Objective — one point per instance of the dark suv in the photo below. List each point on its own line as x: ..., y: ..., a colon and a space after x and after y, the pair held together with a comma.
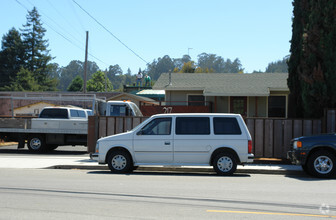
x: 316, y: 154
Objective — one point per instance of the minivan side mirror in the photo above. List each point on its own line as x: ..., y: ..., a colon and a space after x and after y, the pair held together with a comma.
x: 140, y: 133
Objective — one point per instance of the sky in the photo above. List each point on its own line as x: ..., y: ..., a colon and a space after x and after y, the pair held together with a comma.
x: 131, y: 33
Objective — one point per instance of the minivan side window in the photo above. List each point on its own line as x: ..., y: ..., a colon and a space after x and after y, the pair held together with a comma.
x: 228, y: 126
x: 158, y: 126
x: 192, y: 126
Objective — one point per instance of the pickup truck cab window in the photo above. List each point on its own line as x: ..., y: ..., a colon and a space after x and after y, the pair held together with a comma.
x: 77, y: 113
x: 54, y: 113
x: 119, y: 110
x: 159, y: 126
x: 192, y: 126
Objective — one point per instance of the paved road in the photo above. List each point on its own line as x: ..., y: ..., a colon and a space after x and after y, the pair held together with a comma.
x: 63, y: 150
x: 80, y: 194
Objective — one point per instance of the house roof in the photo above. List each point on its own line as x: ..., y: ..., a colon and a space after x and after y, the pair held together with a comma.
x: 225, y: 84
x: 131, y: 96
x: 150, y: 93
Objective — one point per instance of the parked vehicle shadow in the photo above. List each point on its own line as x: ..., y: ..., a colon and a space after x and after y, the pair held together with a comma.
x: 305, y: 177
x: 168, y: 173
x: 63, y: 150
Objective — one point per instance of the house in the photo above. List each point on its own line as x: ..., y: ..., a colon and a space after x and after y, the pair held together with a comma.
x: 133, y: 98
x: 31, y: 109
x: 251, y: 95
x: 157, y: 95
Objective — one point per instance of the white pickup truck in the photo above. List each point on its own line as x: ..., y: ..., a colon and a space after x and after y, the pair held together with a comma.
x: 57, y: 126
x: 54, y: 127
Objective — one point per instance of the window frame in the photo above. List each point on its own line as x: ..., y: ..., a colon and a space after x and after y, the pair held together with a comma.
x: 141, y: 131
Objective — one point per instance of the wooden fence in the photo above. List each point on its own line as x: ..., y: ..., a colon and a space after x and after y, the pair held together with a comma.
x: 271, y: 137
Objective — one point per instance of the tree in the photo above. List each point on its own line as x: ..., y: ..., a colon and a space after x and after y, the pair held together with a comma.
x: 99, y: 83
x: 279, y: 66
x: 24, y: 81
x: 218, y: 64
x: 37, y: 54
x: 114, y: 70
x: 179, y: 62
x: 11, y: 57
x: 188, y: 67
x: 311, y: 67
x: 76, y: 85
x: 73, y: 69
x: 159, y: 66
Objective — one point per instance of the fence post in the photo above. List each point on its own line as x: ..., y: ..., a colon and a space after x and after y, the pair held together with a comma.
x: 92, y: 136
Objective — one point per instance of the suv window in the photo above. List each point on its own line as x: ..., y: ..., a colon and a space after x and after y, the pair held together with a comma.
x: 77, y: 113
x: 158, y: 126
x: 192, y: 125
x: 54, y: 113
x: 226, y: 126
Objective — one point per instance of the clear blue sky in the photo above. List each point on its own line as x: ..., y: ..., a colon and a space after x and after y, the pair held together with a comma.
x: 257, y: 32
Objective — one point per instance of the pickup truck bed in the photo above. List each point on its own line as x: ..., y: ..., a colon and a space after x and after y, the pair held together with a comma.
x: 44, y: 134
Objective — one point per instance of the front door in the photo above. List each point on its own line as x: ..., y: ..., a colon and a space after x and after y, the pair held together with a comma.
x: 238, y: 105
x: 154, y: 142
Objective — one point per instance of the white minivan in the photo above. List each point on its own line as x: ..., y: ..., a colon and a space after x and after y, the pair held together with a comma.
x: 218, y: 140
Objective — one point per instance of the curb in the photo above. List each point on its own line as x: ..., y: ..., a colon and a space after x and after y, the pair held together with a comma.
x: 183, y: 169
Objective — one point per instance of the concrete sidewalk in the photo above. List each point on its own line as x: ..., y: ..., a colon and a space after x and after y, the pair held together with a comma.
x: 84, y: 162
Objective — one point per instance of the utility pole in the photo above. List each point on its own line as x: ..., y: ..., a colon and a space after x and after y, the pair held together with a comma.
x: 188, y: 50
x: 85, y: 63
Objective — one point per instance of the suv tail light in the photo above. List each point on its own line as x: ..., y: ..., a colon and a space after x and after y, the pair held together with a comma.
x: 250, y: 146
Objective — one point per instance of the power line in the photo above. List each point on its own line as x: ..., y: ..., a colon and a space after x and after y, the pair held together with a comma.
x: 110, y: 32
x: 57, y: 32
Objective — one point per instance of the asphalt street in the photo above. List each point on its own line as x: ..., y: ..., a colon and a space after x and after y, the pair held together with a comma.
x: 87, y: 194
x: 75, y: 187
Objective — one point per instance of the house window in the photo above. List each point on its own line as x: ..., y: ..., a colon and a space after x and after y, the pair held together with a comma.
x: 277, y: 106
x: 196, y: 100
x: 239, y: 105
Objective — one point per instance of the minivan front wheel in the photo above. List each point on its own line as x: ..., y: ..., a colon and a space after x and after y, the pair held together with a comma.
x: 224, y: 164
x: 120, y: 162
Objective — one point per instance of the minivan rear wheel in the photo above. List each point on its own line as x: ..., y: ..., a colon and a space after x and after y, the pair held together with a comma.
x: 120, y: 162
x: 224, y: 164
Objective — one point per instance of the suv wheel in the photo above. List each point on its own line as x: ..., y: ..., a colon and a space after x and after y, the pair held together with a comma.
x: 322, y: 164
x: 224, y: 164
x: 120, y: 162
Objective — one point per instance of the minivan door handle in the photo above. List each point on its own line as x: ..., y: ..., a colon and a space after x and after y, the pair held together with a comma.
x: 167, y: 143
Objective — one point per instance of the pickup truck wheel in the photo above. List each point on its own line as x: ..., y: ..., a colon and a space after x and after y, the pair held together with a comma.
x: 224, y: 164
x: 120, y: 162
x: 36, y: 144
x: 322, y: 164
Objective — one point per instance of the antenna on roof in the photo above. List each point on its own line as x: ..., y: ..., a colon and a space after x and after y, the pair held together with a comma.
x: 170, y: 81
